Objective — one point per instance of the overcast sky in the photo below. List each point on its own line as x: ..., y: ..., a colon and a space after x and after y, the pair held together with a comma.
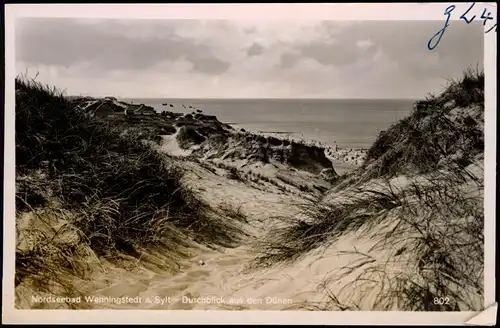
x: 245, y: 59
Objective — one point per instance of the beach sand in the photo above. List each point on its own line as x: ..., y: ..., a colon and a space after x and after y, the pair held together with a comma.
x: 220, y: 277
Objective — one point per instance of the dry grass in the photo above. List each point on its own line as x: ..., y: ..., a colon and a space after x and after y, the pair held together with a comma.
x: 234, y: 174
x: 123, y: 194
x: 442, y: 130
x: 432, y: 227
x: 233, y: 212
x: 188, y: 136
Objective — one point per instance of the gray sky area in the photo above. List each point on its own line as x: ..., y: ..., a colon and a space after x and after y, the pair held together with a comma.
x: 245, y: 59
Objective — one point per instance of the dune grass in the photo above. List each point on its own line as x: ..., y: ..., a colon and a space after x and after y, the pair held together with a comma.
x: 447, y: 127
x: 124, y: 196
x: 430, y: 228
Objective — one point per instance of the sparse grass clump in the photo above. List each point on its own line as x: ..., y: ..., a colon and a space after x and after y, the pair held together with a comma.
x: 188, y: 136
x: 233, y: 212
x: 234, y: 174
x: 122, y: 193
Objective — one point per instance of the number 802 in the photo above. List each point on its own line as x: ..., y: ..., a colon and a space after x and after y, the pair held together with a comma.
x: 441, y: 300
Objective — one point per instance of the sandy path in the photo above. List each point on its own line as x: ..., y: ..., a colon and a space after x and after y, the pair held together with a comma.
x: 216, y: 279
x: 221, y: 282
x: 220, y: 276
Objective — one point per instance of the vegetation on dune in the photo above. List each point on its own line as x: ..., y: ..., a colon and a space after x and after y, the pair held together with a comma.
x: 431, y: 227
x: 115, y: 194
x: 188, y: 135
x: 444, y: 130
x: 122, y: 194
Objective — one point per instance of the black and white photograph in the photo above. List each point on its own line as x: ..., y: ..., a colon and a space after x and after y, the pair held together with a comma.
x: 245, y: 164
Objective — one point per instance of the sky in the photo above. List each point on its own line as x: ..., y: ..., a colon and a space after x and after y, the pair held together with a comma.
x: 142, y: 58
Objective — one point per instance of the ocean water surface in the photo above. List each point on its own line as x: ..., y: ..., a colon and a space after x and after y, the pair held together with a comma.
x: 353, y: 123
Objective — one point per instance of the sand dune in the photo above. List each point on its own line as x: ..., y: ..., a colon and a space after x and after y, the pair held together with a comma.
x: 262, y: 222
x: 222, y: 280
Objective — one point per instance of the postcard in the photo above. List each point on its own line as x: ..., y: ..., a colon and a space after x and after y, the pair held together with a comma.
x: 250, y: 163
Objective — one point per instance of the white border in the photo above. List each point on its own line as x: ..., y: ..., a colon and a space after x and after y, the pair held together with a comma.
x: 408, y: 11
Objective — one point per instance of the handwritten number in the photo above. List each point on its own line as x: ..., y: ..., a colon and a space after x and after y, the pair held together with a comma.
x: 494, y: 26
x: 436, y: 38
x: 440, y: 33
x: 465, y: 13
x: 485, y: 17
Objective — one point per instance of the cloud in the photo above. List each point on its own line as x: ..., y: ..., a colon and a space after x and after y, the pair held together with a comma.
x: 289, y: 59
x: 224, y: 58
x: 255, y: 50
x: 109, y: 46
x: 364, y: 44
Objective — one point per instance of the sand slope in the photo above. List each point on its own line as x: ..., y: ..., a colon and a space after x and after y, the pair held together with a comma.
x: 221, y: 277
x: 325, y: 278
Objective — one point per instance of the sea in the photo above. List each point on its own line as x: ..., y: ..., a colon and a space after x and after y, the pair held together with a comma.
x: 348, y: 123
